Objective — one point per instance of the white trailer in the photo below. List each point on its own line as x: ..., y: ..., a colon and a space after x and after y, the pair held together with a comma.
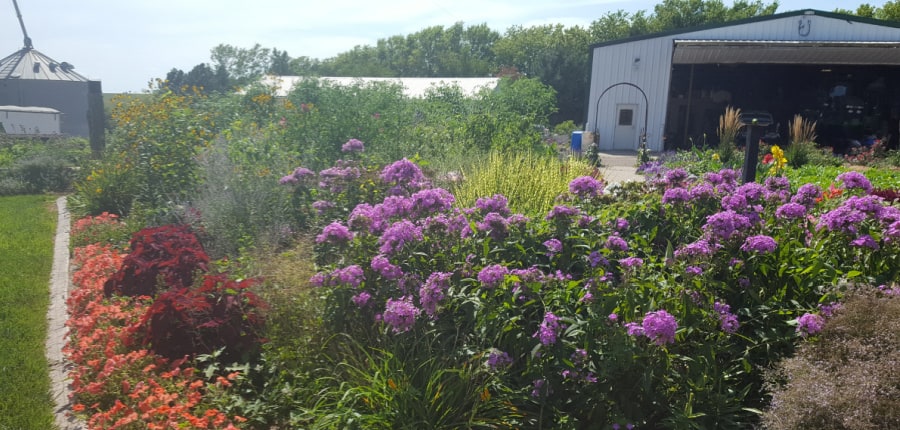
x: 29, y: 121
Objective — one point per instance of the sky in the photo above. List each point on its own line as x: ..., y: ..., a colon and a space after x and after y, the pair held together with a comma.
x: 126, y: 44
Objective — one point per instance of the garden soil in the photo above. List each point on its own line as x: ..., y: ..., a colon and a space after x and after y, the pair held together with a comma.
x: 56, y: 323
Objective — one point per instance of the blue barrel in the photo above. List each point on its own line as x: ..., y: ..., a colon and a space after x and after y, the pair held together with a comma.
x: 576, y: 141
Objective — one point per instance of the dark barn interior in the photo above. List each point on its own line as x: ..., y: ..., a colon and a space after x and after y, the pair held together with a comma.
x: 851, y: 104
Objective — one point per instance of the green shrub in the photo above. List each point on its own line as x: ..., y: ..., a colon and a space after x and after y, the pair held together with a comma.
x: 565, y: 128
x: 11, y: 186
x: 43, y: 173
x: 530, y: 181
x: 848, y: 377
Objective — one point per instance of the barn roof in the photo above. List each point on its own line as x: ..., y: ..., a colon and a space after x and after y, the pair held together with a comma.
x: 835, y: 15
x: 29, y: 63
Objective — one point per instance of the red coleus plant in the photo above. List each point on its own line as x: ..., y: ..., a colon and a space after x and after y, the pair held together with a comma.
x: 166, y: 256
x: 220, y: 313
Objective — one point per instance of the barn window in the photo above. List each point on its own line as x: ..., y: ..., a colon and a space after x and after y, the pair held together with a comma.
x: 626, y: 116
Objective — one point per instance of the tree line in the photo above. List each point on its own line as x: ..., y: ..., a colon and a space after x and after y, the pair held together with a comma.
x: 557, y: 55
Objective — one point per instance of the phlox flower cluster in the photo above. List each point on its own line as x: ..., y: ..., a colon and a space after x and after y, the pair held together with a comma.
x: 299, y: 174
x: 807, y: 195
x: 432, y: 292
x: 492, y: 276
x: 498, y: 203
x: 549, y: 330
x: 853, y: 180
x: 498, y: 360
x: 676, y: 195
x: 790, y: 211
x: 335, y: 234
x: 404, y: 175
x: 810, y: 324
x: 400, y: 314
x: 659, y: 326
x: 585, y: 187
x: 700, y: 249
x: 353, y: 145
x: 336, y: 178
x: 431, y: 200
x: 616, y: 243
x: 631, y: 262
x: 728, y: 321
x: 397, y: 235
x: 562, y: 213
x: 554, y: 246
x: 760, y: 244
x: 725, y: 225
x: 496, y: 225
x: 383, y: 266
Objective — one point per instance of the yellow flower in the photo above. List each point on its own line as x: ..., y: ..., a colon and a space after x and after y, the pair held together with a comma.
x: 715, y: 156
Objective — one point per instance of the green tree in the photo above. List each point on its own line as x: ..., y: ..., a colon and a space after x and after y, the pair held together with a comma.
x: 243, y: 65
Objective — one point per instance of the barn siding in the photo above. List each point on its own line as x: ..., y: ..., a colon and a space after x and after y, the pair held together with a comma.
x: 614, y: 63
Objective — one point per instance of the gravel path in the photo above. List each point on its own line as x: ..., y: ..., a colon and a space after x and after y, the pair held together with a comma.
x: 56, y: 322
x: 617, y: 167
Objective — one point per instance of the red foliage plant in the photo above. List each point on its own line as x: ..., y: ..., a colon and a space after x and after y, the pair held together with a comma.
x: 168, y: 255
x: 221, y: 313
x: 889, y: 195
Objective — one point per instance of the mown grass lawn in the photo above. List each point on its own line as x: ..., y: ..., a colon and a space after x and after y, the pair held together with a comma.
x: 27, y: 225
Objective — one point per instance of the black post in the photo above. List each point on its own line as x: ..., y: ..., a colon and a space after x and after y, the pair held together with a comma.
x: 751, y: 156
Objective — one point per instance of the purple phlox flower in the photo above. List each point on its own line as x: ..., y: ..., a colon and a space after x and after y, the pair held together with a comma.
x: 810, y: 324
x: 563, y: 213
x: 892, y: 232
x: 335, y: 178
x: 395, y: 207
x: 631, y: 262
x: 353, y: 145
x: 495, y: 225
x: 364, y: 217
x: 616, y: 243
x: 518, y: 220
x: 743, y: 282
x: 729, y: 176
x: 335, y: 234
x: 498, y: 360
x: 660, y: 327
x: 702, y: 191
x: 541, y: 388
x: 432, y: 292
x: 728, y: 321
x: 350, y: 275
x: 321, y: 206
x: 865, y: 241
x: 760, y: 243
x: 790, y: 211
x: 579, y: 357
x: 397, y: 235
x: 777, y: 183
x: 361, y: 299
x: 676, y: 178
x: 828, y: 309
x: 595, y: 259
x: 676, y: 195
x: 531, y: 274
x: 693, y: 270
x: 634, y: 329
x: 585, y: 187
x: 431, y: 200
x: 402, y: 172
x: 870, y: 204
x: 699, y: 249
x: 842, y: 218
x: 383, y: 266
x: 621, y: 224
x: 320, y: 279
x: 889, y: 215
x: 854, y: 179
x: 713, y: 178
x: 613, y: 317
x: 297, y: 175
x: 736, y: 202
x: 585, y: 221
x: 554, y: 246
x: 807, y: 195
x: 498, y: 203
x: 892, y: 290
x: 400, y: 314
x: 492, y: 276
x: 588, y: 296
x: 549, y: 329
x: 725, y: 225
